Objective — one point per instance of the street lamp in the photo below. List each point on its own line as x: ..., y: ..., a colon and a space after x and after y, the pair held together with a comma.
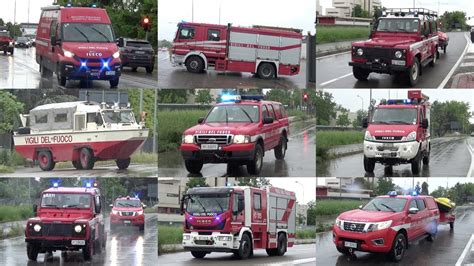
x: 362, y: 99
x: 302, y: 188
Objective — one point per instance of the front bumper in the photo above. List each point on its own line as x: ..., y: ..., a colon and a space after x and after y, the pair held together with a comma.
x: 402, y: 151
x: 380, y: 67
x: 215, y: 242
x: 177, y: 60
x: 91, y: 71
x: 141, y: 60
x: 225, y: 153
x: 365, y: 241
x: 127, y: 220
x: 58, y: 244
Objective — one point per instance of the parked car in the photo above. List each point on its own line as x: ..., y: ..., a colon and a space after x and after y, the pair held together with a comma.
x: 23, y: 42
x: 136, y: 53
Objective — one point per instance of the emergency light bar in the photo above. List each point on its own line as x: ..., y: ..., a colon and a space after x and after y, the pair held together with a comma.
x: 253, y: 97
x: 392, y: 193
x: 415, y: 12
x: 230, y: 98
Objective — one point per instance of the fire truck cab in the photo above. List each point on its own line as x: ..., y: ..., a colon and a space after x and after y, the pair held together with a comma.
x: 238, y: 220
x: 237, y: 131
x: 127, y: 211
x: 402, y: 42
x: 266, y: 51
x: 398, y: 133
x: 67, y: 219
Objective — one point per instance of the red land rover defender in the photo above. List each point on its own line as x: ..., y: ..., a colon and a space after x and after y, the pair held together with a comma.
x: 77, y: 43
x: 403, y: 41
x: 67, y: 219
x: 386, y: 225
x: 127, y: 211
x: 237, y: 131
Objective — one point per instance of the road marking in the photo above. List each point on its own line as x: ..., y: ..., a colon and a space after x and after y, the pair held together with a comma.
x: 334, y: 80
x: 464, y: 253
x: 331, y: 55
x: 445, y: 81
x: 469, y: 64
x: 471, y: 151
x: 294, y: 262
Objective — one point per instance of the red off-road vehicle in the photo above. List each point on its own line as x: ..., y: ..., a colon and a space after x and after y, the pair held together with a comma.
x: 7, y: 43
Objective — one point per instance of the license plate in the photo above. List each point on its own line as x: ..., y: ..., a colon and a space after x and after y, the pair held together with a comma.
x: 109, y: 73
x: 209, y: 146
x: 140, y: 52
x: 350, y: 244
x: 78, y: 242
x: 127, y: 222
x: 96, y: 74
x: 398, y: 62
x: 202, y: 238
x: 388, y: 145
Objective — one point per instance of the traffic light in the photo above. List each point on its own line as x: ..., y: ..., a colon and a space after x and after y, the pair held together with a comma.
x: 146, y: 23
x: 305, y: 97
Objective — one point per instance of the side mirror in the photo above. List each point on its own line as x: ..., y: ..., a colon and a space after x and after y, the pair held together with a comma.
x: 35, y: 209
x: 144, y: 206
x: 200, y: 120
x: 111, y: 205
x: 267, y: 120
x: 97, y: 206
x: 413, y: 210
x: 365, y: 122
x: 424, y: 123
x: 119, y: 42
x: 182, y: 204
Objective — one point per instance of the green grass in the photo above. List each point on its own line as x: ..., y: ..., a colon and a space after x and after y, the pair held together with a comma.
x: 15, y: 230
x: 169, y: 235
x: 301, y: 115
x: 336, y: 206
x: 305, y: 234
x: 15, y: 213
x: 139, y: 157
x: 336, y: 34
x: 172, y: 125
x: 323, y: 227
x: 4, y: 169
x: 326, y: 140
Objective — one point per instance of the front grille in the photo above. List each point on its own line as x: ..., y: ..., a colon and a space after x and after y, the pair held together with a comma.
x: 354, y: 227
x: 382, y: 54
x: 126, y: 213
x: 203, y: 242
x: 213, y: 139
x: 57, y: 230
x: 389, y: 138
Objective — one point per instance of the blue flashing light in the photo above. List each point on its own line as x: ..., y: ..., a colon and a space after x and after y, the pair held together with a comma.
x: 106, y: 64
x: 68, y: 5
x: 94, y: 5
x: 400, y: 101
x: 252, y: 97
x: 230, y: 98
x: 392, y: 193
x: 414, y: 193
x: 88, y: 185
x: 218, y: 218
x: 83, y: 64
x: 55, y: 184
x: 136, y: 196
x: 190, y: 218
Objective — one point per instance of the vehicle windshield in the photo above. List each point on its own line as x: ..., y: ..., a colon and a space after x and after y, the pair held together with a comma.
x: 87, y: 32
x: 398, y: 25
x: 234, y: 114
x: 65, y: 200
x: 396, y: 116
x: 112, y: 116
x: 4, y: 34
x: 139, y: 44
x: 386, y: 205
x: 207, y: 204
x: 128, y: 203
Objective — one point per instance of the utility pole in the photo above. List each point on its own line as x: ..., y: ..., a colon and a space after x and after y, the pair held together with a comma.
x: 220, y: 6
x: 192, y: 11
x: 28, y: 11
x: 14, y: 14
x: 155, y: 125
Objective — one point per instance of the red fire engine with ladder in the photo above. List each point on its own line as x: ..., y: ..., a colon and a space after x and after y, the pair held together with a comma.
x: 266, y: 51
x: 238, y: 219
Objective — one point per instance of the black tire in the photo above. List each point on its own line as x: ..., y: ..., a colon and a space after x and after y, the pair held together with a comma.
x: 271, y: 251
x: 414, y: 72
x: 114, y: 83
x: 45, y: 160
x: 77, y: 165
x: 416, y: 164
x: 245, y: 248
x: 444, y: 49
x: 4, y: 52
x: 266, y: 71
x: 281, y: 245
x: 451, y: 225
x: 88, y: 250
x: 254, y: 166
x: 12, y: 51
x: 399, y: 247
x: 280, y: 150
x: 369, y: 164
x: 123, y: 163
x: 194, y: 64
x: 134, y: 69
x: 360, y: 74
x: 193, y: 166
x: 198, y: 254
x: 86, y: 158
x: 435, y: 59
x: 232, y: 168
x: 149, y: 70
x: 61, y: 79
x: 344, y: 251
x: 426, y: 159
x: 32, y: 251
x: 141, y: 228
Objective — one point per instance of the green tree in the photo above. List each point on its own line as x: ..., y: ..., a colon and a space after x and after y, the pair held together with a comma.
x: 283, y: 96
x: 174, y: 95
x: 326, y: 107
x: 443, y: 114
x: 384, y: 185
x: 204, y: 97
x: 357, y: 11
x: 361, y: 114
x: 424, y: 189
x: 196, y: 182
x: 439, y: 192
x: 148, y: 106
x: 10, y: 109
x: 311, y: 213
x: 253, y: 182
x: 343, y: 119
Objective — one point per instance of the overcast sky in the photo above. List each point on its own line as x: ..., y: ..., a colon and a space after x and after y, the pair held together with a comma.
x: 283, y: 13
x: 289, y: 183
x: 445, y: 5
x: 8, y: 8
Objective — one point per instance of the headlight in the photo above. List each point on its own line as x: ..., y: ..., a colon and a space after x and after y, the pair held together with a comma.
x: 224, y: 238
x: 37, y: 227
x: 379, y: 226
x: 78, y: 229
x: 239, y: 139
x: 116, y: 54
x: 410, y: 137
x: 139, y: 212
x: 68, y: 54
x: 188, y: 139
x: 114, y: 212
x: 360, y: 52
x: 186, y: 237
x: 11, y: 43
x: 368, y: 136
x: 398, y: 54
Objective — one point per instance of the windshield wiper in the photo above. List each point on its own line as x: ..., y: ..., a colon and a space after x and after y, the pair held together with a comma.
x: 226, y: 116
x: 103, y: 35
x: 220, y: 206
x: 50, y: 205
x: 251, y: 121
x: 399, y: 122
x: 378, y: 209
x: 71, y: 206
x: 82, y: 33
x: 388, y: 207
x: 380, y: 122
x: 200, y: 203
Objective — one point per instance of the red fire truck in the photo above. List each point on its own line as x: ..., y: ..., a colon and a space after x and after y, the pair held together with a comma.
x: 266, y: 51
x: 68, y: 219
x: 398, y: 132
x: 238, y: 220
x: 7, y: 43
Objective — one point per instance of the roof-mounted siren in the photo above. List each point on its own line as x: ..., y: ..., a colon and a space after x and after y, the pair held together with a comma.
x: 416, y: 95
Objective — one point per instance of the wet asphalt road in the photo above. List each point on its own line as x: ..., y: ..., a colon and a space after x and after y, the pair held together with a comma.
x: 170, y: 77
x: 21, y: 71
x: 450, y: 157
x: 126, y: 246
x: 296, y: 255
x: 444, y: 250
x: 335, y: 72
x: 299, y: 160
x: 134, y: 170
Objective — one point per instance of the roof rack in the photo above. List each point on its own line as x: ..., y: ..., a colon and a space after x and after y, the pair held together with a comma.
x: 410, y: 12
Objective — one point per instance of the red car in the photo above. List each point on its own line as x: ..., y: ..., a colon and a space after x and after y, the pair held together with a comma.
x: 237, y: 131
x: 127, y: 211
x: 387, y: 224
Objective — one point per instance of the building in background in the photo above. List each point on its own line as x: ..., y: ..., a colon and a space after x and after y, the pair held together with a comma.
x: 319, y: 8
x: 342, y: 188
x: 29, y: 30
x: 302, y: 211
x: 343, y: 8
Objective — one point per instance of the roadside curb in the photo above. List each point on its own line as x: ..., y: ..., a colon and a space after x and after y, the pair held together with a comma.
x: 326, y: 49
x: 345, y: 150
x: 6, y: 228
